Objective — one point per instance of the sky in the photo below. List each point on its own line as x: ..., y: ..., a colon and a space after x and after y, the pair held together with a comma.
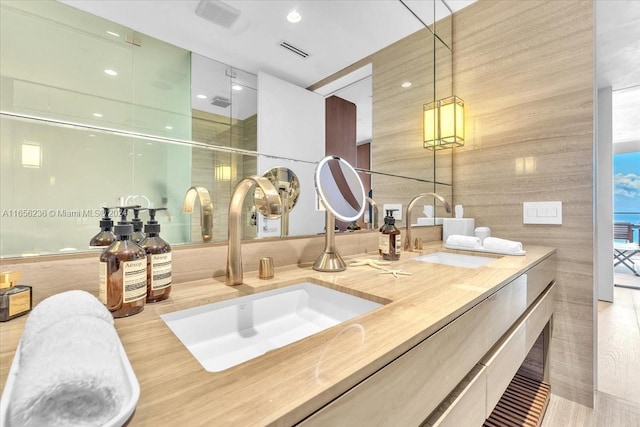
x: 626, y: 182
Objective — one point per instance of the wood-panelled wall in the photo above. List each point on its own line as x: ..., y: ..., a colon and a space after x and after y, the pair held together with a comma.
x: 340, y: 129
x: 221, y: 130
x: 525, y: 71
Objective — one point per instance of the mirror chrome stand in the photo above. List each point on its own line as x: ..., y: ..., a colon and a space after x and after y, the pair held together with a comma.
x: 330, y: 260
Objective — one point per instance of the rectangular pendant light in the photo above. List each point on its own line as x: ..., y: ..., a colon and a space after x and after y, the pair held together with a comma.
x: 443, y: 123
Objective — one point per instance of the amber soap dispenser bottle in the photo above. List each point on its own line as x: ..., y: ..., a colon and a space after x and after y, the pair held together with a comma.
x: 15, y: 300
x: 105, y: 237
x: 123, y: 272
x: 138, y: 235
x: 158, y: 260
x: 389, y: 242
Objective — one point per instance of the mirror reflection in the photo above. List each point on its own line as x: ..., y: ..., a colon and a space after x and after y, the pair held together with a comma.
x: 169, y: 120
x: 286, y: 182
x: 339, y: 188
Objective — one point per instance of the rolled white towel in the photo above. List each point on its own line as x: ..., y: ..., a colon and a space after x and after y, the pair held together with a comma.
x: 502, y: 245
x: 72, y: 375
x: 59, y: 307
x: 461, y: 241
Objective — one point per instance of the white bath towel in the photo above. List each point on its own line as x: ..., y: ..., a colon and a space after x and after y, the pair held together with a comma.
x: 59, y: 307
x: 460, y: 241
x: 502, y: 245
x: 71, y: 374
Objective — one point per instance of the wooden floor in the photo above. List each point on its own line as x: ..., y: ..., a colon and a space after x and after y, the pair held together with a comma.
x: 618, y: 396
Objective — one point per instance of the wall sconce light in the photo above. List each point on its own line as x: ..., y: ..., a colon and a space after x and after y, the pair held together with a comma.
x: 443, y: 123
x: 223, y: 172
x: 31, y: 155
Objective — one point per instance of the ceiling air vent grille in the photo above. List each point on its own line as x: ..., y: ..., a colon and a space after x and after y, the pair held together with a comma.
x: 218, y: 12
x: 221, y: 101
x: 292, y: 48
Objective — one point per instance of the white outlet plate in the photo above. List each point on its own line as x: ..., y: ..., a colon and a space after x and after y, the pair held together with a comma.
x: 397, y: 214
x: 542, y: 212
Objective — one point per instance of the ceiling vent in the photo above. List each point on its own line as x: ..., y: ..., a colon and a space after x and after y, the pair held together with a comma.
x: 217, y: 12
x: 292, y: 48
x: 220, y: 101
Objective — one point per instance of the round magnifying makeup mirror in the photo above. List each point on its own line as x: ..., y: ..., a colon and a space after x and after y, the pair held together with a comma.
x: 340, y: 188
x: 341, y: 192
x: 287, y: 184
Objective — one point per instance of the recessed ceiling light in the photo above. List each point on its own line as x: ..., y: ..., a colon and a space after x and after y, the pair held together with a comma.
x: 111, y: 33
x: 111, y: 72
x: 168, y: 127
x: 406, y: 84
x: 201, y: 96
x: 294, y: 17
x: 97, y: 115
x: 236, y: 87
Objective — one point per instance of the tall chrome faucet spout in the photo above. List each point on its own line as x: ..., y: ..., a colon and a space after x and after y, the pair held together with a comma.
x: 407, y: 216
x: 376, y: 214
x: 206, y: 209
x: 267, y: 202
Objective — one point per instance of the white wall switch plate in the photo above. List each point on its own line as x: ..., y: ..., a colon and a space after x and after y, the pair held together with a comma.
x: 542, y: 212
x: 397, y: 214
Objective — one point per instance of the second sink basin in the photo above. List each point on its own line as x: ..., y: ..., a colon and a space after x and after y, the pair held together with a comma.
x: 457, y: 260
x: 227, y: 333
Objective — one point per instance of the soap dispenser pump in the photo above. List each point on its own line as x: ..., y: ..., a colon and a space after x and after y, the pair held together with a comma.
x: 105, y: 237
x: 123, y: 272
x: 390, y: 241
x: 158, y: 260
x: 138, y: 234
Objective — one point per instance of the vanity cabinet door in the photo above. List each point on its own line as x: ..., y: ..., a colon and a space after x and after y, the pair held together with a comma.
x: 407, y: 390
x: 465, y: 406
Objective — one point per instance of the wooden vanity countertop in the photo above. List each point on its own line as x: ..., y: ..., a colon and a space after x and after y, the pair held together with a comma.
x: 285, y: 385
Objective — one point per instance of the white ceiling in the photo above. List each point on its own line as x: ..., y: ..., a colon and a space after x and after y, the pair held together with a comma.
x: 335, y: 33
x: 338, y: 33
x: 618, y: 66
x: 618, y: 43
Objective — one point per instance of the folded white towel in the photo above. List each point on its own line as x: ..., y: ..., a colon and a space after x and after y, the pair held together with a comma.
x: 461, y: 241
x: 502, y: 245
x: 59, y: 307
x: 70, y: 375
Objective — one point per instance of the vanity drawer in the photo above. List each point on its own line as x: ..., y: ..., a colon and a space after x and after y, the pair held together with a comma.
x: 505, y: 359
x: 539, y: 277
x: 409, y: 389
x: 465, y: 406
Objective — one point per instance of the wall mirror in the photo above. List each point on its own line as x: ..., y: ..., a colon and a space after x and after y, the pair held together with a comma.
x: 76, y: 137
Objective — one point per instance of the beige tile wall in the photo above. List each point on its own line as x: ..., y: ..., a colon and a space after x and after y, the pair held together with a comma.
x: 220, y: 130
x: 525, y: 71
x: 53, y: 274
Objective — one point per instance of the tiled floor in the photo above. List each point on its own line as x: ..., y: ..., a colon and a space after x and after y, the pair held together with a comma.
x: 618, y: 396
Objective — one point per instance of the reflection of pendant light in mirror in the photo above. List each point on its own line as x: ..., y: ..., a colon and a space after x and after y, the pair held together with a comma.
x: 223, y: 172
x: 31, y: 155
x: 443, y: 123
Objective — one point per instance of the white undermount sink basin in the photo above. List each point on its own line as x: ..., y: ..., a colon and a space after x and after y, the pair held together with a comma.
x: 456, y: 260
x: 227, y: 333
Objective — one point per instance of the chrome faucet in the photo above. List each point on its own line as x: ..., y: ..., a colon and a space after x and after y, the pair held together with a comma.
x: 267, y: 202
x: 374, y: 220
x: 407, y: 216
x: 206, y: 209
